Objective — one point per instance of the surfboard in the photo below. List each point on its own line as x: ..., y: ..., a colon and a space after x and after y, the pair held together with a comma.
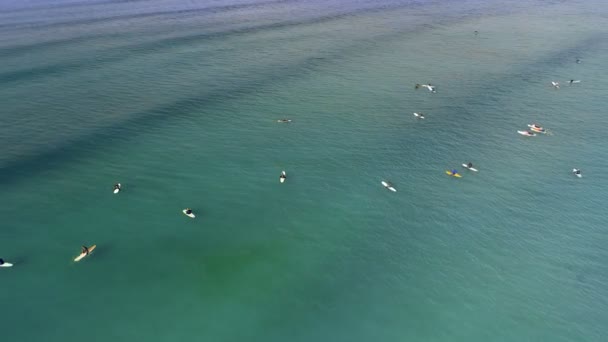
x: 457, y: 175
x: 389, y: 186
x: 117, y: 190
x: 282, y: 179
x: 526, y: 133
x: 537, y: 130
x: 419, y: 116
x: 284, y: 120
x: 82, y: 255
x: 470, y: 168
x: 6, y: 264
x: 191, y: 215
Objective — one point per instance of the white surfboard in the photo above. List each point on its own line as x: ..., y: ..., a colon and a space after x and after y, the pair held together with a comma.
x: 389, y: 186
x: 284, y: 120
x: 526, y: 133
x: 191, y: 215
x: 470, y: 168
x: 282, y: 179
x: 6, y: 264
x: 82, y: 255
x: 117, y: 190
x: 419, y: 115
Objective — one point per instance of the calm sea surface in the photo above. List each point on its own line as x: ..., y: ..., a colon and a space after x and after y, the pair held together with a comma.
x: 178, y: 101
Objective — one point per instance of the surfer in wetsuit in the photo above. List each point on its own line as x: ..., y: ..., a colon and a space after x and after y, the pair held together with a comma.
x: 188, y: 211
x: 1, y: 261
x: 116, y: 186
x: 470, y: 165
x: 85, y: 250
x: 283, y: 176
x: 577, y: 172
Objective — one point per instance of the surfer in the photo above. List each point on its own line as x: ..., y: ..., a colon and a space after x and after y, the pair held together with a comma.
x: 85, y: 250
x: 117, y: 186
x: 429, y: 86
x: 188, y: 211
x: 283, y: 176
x: 1, y: 261
x: 470, y: 165
x: 537, y: 129
x: 578, y: 61
x: 577, y: 171
x: 454, y: 172
x: 284, y: 120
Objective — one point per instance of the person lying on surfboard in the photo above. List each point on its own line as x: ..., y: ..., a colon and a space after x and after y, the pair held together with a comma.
x: 116, y: 186
x: 282, y: 176
x: 85, y: 250
x: 188, y: 211
x: 470, y: 165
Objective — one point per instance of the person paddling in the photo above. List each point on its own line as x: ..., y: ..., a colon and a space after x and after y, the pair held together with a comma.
x: 85, y: 250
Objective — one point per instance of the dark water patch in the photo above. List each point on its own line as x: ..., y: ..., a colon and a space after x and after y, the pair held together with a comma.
x: 40, y: 47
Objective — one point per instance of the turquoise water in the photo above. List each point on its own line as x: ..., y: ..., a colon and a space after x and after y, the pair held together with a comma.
x: 178, y: 101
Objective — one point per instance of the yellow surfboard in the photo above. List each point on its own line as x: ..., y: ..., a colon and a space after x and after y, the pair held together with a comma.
x: 448, y: 172
x: 82, y: 255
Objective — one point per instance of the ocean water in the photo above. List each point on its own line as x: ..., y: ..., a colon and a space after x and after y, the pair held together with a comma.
x: 178, y: 101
